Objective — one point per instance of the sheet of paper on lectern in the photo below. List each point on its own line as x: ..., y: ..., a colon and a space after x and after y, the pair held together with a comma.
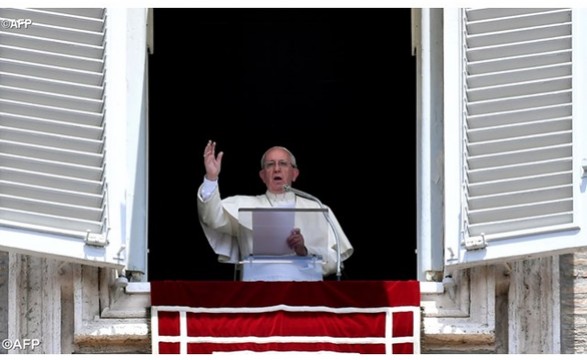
x: 270, y: 232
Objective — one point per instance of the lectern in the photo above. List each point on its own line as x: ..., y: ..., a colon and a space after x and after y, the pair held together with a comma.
x: 265, y: 255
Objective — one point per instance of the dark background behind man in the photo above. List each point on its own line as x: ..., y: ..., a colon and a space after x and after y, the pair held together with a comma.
x: 335, y: 86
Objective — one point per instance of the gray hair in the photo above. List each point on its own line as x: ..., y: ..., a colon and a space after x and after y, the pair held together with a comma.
x: 291, y: 156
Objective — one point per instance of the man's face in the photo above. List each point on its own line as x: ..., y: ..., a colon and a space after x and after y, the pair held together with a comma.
x: 277, y: 170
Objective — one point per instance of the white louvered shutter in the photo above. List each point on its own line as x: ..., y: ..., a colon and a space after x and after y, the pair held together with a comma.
x: 520, y: 183
x: 52, y: 132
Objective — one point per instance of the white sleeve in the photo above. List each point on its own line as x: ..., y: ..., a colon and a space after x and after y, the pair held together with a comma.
x: 207, y: 189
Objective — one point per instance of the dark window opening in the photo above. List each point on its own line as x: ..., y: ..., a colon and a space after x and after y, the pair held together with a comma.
x: 335, y: 86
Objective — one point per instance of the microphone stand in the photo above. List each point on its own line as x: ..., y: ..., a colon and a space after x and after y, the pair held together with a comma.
x: 328, y: 220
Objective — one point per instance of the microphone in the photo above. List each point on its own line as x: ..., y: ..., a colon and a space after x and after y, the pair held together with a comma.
x: 302, y: 194
x: 328, y: 220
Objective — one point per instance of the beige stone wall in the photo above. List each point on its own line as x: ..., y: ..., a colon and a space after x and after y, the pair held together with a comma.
x: 3, y: 298
x: 573, y: 270
x: 534, y: 307
x: 69, y: 310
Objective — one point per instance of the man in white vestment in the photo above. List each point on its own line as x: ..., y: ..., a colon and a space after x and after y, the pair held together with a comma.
x: 220, y: 217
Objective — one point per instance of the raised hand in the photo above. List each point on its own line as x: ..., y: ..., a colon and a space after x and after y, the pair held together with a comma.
x: 212, y: 162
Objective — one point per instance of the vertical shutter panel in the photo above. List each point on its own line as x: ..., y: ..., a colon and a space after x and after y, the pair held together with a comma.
x: 518, y: 120
x: 52, y: 120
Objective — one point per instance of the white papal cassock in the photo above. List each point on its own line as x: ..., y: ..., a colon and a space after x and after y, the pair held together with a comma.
x: 220, y: 221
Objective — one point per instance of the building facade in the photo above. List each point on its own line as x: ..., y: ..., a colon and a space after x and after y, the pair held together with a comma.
x: 501, y: 180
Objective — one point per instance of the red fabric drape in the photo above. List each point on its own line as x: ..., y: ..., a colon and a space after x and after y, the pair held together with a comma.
x: 284, y: 316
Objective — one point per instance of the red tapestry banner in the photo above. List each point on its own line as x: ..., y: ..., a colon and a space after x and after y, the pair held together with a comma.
x: 206, y: 317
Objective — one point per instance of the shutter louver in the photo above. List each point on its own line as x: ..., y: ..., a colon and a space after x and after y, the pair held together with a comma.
x: 518, y: 127
x: 52, y: 121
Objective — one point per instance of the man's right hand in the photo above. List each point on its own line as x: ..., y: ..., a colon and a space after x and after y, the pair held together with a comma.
x: 212, y: 162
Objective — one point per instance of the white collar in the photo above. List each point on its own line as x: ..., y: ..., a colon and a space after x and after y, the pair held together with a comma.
x: 282, y: 198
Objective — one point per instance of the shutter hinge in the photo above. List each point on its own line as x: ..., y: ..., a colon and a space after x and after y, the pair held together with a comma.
x: 476, y: 242
x: 94, y: 239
